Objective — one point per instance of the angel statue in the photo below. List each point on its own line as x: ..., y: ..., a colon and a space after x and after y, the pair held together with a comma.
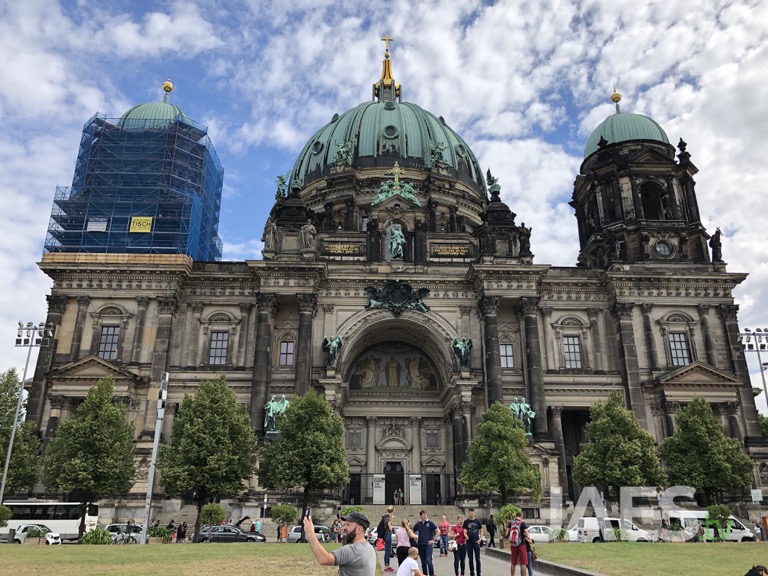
x: 331, y: 348
x: 462, y: 348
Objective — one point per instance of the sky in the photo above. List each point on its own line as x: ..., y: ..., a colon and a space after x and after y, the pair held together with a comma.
x: 524, y: 83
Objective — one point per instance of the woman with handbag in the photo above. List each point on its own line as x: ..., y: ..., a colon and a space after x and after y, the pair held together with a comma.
x: 403, y: 536
x: 460, y: 552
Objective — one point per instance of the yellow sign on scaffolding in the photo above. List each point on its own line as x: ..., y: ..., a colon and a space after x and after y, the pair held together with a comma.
x: 141, y: 224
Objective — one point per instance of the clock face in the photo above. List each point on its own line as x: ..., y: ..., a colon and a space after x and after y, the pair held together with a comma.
x: 663, y: 248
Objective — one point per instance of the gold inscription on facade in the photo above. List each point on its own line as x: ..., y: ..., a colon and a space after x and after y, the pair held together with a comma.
x: 343, y: 249
x: 451, y: 251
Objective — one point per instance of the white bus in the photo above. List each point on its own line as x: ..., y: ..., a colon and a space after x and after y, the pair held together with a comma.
x: 61, y: 517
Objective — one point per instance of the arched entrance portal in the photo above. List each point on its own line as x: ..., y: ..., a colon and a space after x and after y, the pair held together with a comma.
x: 394, y: 479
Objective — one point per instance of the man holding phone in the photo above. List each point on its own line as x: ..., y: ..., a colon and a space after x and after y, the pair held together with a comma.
x: 356, y: 557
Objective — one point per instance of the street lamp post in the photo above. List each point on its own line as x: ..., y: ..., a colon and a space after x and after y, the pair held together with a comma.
x: 757, y: 341
x: 27, y: 336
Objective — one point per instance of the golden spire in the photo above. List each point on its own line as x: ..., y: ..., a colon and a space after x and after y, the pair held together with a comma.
x: 616, y: 98
x: 387, y: 82
x: 167, y: 88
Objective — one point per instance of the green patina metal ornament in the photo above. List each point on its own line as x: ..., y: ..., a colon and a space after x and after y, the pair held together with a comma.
x: 397, y: 297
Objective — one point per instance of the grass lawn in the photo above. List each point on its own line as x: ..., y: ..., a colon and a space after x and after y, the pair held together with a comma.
x: 182, y: 559
x: 643, y: 559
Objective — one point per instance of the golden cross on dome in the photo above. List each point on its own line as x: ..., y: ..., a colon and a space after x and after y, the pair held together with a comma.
x: 397, y: 171
x: 386, y: 41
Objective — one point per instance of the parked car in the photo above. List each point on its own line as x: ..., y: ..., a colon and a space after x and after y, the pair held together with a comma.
x: 22, y: 531
x: 689, y: 521
x: 118, y: 528
x: 229, y: 533
x: 541, y: 534
x: 573, y: 533
x: 323, y: 534
x: 589, y: 530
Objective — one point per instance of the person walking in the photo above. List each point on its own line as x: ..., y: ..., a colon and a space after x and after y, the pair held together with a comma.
x: 356, y: 557
x: 427, y: 534
x: 491, y: 526
x: 473, y: 528
x: 518, y: 533
x: 460, y: 553
x: 444, y: 526
x: 181, y: 533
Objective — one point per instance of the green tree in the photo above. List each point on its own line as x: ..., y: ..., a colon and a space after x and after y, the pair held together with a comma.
x: 763, y: 425
x: 211, y: 450
x: 91, y: 456
x: 699, y: 454
x: 497, y: 458
x: 309, y: 453
x: 284, y: 513
x: 618, y: 451
x: 24, y: 467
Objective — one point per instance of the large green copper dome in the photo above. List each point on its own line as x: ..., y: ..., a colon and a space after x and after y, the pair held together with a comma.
x: 622, y: 127
x: 381, y: 133
x: 153, y: 114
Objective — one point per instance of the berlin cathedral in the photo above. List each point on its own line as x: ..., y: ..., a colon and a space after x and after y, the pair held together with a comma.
x: 397, y: 283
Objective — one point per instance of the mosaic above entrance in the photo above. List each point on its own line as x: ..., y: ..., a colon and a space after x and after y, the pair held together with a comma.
x: 393, y: 367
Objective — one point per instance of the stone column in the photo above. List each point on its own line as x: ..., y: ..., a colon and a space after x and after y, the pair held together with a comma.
x: 706, y: 331
x: 490, y: 306
x: 415, y: 423
x: 77, y: 335
x: 557, y: 433
x: 370, y: 464
x: 452, y: 218
x: 466, y: 425
x: 194, y: 335
x: 629, y: 366
x: 242, y: 346
x: 307, y: 307
x: 349, y: 219
x: 57, y: 403
x: 637, y: 203
x: 549, y: 339
x: 669, y: 416
x: 535, y: 378
x: 57, y: 305
x: 262, y: 363
x: 729, y: 315
x: 167, y: 307
x: 730, y: 411
x: 458, y: 439
x: 650, y: 340
x: 597, y: 339
x: 138, y: 335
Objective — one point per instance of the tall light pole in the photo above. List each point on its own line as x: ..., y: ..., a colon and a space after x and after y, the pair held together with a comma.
x: 27, y: 336
x: 757, y: 341
x: 161, y: 399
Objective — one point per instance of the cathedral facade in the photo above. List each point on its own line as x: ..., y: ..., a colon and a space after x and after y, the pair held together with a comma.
x: 396, y: 282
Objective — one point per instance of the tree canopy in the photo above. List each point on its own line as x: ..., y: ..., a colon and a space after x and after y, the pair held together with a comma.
x: 699, y: 454
x: 618, y: 452
x: 24, y: 468
x: 211, y: 450
x: 91, y: 456
x: 309, y: 452
x: 497, y: 458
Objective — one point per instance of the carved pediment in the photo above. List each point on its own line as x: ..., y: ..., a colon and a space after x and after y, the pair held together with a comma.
x: 76, y: 378
x: 356, y: 462
x: 432, y: 464
x: 390, y: 443
x: 697, y: 374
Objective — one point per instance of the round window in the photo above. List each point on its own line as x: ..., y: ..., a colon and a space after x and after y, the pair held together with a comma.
x: 317, y: 147
x: 663, y: 248
x: 389, y: 105
x: 390, y: 131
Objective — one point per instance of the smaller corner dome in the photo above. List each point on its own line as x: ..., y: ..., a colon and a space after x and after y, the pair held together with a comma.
x: 623, y: 127
x: 152, y: 115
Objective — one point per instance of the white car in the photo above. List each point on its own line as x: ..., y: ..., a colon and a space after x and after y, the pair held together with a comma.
x: 541, y: 534
x: 22, y: 531
x: 573, y: 533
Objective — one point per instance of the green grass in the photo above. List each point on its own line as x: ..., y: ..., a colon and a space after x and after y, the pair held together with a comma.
x: 186, y: 559
x: 642, y: 559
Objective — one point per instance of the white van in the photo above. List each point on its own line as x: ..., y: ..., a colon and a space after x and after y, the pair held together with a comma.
x: 690, y: 520
x: 589, y: 530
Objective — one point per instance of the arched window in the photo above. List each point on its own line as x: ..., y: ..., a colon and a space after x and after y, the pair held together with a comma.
x: 677, y: 330
x: 652, y: 202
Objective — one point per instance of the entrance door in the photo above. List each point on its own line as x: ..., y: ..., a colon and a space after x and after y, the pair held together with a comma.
x: 433, y: 489
x: 353, y: 491
x: 394, y: 479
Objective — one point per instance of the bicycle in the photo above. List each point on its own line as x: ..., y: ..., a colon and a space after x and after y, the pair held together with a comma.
x: 124, y: 538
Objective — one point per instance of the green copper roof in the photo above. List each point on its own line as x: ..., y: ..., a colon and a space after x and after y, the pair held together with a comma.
x: 621, y: 127
x: 381, y: 133
x: 151, y: 115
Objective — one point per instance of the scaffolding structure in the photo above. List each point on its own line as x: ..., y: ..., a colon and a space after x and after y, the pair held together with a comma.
x: 141, y: 187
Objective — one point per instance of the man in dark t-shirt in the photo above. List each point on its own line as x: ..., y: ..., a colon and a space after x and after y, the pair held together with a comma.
x: 473, y: 530
x: 427, y: 532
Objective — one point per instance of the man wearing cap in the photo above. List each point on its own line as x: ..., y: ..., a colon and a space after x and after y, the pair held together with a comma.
x: 356, y: 557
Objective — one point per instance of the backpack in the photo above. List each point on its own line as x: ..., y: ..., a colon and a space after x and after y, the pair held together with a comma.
x: 515, y: 537
x: 381, y: 529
